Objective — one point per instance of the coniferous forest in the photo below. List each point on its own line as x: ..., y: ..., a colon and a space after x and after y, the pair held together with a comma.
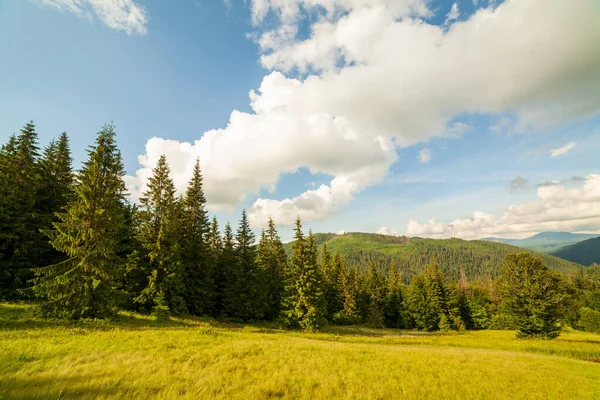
x: 71, y: 241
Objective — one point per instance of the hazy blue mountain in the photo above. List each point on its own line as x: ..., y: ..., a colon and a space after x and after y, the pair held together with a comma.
x: 546, y: 242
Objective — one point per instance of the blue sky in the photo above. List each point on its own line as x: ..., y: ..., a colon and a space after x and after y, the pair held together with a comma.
x: 402, y: 117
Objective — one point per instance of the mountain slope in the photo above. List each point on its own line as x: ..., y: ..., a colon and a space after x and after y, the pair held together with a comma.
x: 546, y: 242
x: 480, y: 259
x: 585, y: 253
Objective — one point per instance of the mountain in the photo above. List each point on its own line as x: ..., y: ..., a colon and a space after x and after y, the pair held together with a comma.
x: 546, y: 242
x: 480, y: 259
x: 585, y: 253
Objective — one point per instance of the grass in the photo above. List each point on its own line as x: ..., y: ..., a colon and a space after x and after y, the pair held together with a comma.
x: 136, y: 357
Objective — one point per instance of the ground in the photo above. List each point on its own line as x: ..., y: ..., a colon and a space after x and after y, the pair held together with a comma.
x: 137, y: 357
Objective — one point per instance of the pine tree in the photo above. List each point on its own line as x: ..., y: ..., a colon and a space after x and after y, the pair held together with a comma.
x: 272, y: 260
x: 249, y: 303
x: 56, y: 188
x: 22, y: 241
x: 393, y: 305
x: 160, y: 235
x: 303, y: 304
x: 230, y: 271
x: 332, y: 282
x: 198, y: 267
x: 215, y: 254
x: 89, y: 233
x: 350, y: 314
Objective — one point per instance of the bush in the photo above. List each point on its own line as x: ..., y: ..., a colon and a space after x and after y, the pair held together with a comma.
x: 589, y: 320
x: 341, y: 318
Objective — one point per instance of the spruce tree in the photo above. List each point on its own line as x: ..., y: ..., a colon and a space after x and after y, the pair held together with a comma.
x: 393, y: 305
x: 332, y: 282
x: 350, y: 313
x: 303, y: 304
x: 160, y: 235
x: 230, y: 271
x: 89, y: 233
x: 535, y: 296
x: 22, y: 241
x: 198, y: 266
x: 249, y: 303
x: 215, y: 254
x: 272, y: 260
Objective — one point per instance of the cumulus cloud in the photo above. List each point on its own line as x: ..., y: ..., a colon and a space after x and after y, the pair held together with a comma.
x: 563, y: 150
x: 556, y: 209
x: 124, y: 15
x: 425, y: 156
x: 384, y: 230
x: 381, y: 78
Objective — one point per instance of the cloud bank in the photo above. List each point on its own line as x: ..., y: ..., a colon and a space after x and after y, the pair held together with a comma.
x: 374, y: 76
x: 556, y: 209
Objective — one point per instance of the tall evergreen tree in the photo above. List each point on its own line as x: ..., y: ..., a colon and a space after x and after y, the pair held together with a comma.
x: 160, y: 236
x: 303, y: 303
x: 198, y: 267
x: 230, y: 271
x: 331, y: 268
x: 22, y: 241
x: 248, y: 303
x: 272, y: 260
x: 89, y: 233
x: 215, y: 254
x: 393, y: 305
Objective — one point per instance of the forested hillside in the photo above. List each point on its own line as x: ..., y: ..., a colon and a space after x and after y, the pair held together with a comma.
x: 479, y: 259
x: 585, y: 253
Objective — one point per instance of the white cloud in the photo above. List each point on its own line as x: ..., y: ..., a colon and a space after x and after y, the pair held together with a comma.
x: 124, y: 15
x: 556, y: 209
x: 425, y: 156
x: 382, y: 77
x: 563, y: 150
x: 453, y: 14
x: 384, y: 230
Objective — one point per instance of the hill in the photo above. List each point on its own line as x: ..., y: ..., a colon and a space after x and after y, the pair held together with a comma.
x: 585, y: 253
x: 480, y: 259
x: 545, y: 242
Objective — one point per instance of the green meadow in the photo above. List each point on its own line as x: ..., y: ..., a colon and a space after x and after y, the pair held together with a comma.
x: 135, y: 356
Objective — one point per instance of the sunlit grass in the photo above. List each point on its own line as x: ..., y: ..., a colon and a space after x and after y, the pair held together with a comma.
x: 137, y: 357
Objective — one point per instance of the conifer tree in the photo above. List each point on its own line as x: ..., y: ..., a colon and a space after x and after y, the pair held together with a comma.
x: 248, y: 302
x: 230, y: 270
x: 215, y: 255
x: 22, y: 241
x: 350, y: 313
x: 303, y: 304
x: 332, y: 282
x: 160, y: 236
x: 393, y: 305
x: 198, y: 266
x: 272, y: 260
x: 89, y: 233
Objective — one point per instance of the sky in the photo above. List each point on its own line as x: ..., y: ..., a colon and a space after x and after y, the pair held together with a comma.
x: 467, y: 118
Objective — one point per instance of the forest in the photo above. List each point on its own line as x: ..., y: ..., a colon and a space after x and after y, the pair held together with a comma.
x: 72, y: 242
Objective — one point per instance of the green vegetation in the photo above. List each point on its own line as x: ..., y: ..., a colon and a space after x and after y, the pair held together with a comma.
x: 479, y: 259
x: 137, y: 357
x: 586, y: 252
x: 546, y: 242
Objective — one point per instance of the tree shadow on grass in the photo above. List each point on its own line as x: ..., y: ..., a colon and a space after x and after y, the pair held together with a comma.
x: 69, y: 387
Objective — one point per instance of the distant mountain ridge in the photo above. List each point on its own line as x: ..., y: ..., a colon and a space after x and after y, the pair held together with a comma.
x: 479, y: 259
x: 586, y: 252
x: 546, y: 242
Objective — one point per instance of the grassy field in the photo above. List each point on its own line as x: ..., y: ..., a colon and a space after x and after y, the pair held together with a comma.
x: 136, y: 357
